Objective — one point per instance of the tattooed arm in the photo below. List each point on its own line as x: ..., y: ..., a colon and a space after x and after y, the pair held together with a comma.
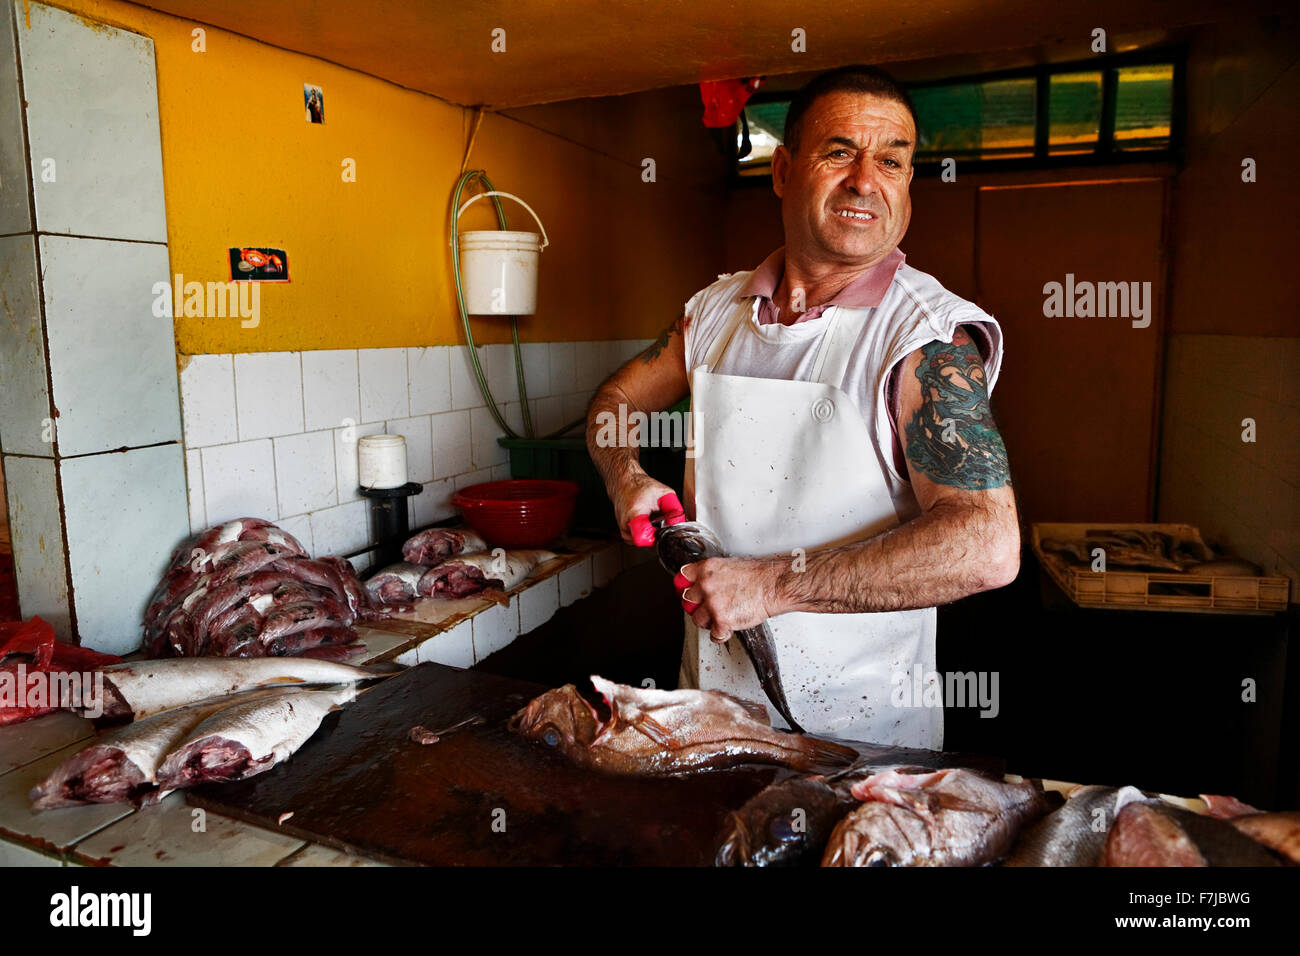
x: 650, y: 382
x: 966, y: 540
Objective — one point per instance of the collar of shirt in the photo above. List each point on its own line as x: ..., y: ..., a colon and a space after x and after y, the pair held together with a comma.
x: 866, y: 291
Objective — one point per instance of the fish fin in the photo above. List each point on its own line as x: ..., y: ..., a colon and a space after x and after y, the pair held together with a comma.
x: 827, y: 754
x: 755, y: 710
x: 282, y: 680
x: 655, y: 731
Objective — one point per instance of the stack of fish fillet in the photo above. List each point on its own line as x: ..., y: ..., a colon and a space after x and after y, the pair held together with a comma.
x: 451, y: 563
x: 248, y: 589
x: 197, y: 721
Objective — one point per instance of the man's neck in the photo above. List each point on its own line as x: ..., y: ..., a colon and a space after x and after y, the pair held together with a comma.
x: 818, y: 282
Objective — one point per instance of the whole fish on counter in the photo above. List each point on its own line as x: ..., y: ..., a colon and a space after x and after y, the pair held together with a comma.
x: 469, y: 574
x: 122, y: 765
x: 660, y: 732
x: 1075, y: 834
x: 247, y: 738
x: 433, y: 545
x: 1280, y: 832
x: 1156, y: 834
x: 141, y: 688
x: 950, y: 817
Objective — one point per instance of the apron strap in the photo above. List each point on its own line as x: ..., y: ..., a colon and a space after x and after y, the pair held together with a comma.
x: 837, y: 345
x: 738, y: 316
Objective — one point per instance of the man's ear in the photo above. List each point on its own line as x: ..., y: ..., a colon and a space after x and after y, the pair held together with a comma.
x: 780, y: 169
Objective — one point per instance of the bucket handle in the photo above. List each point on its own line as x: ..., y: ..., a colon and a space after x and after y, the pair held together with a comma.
x: 496, y: 192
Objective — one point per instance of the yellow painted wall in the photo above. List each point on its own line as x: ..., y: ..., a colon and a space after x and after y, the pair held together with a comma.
x: 369, y: 261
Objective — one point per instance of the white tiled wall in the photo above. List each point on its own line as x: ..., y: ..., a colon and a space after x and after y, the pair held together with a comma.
x: 273, y: 435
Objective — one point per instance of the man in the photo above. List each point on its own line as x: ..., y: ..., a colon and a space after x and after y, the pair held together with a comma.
x: 845, y: 453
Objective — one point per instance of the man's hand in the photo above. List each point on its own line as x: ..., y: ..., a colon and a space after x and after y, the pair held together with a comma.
x: 637, y: 494
x: 730, y: 594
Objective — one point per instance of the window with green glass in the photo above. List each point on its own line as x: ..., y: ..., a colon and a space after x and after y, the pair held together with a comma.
x: 1098, y: 112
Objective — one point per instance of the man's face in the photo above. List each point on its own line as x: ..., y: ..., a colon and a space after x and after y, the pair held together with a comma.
x: 844, y: 194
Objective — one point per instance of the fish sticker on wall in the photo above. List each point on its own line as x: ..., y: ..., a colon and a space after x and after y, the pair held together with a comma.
x: 313, y: 97
x: 259, y: 264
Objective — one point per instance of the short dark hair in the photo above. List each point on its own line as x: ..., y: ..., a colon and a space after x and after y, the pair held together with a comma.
x: 845, y: 79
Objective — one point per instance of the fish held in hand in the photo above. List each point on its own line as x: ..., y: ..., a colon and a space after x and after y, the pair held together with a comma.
x: 244, y: 739
x: 141, y: 688
x: 659, y: 732
x: 681, y: 544
x: 1155, y: 834
x: 949, y: 817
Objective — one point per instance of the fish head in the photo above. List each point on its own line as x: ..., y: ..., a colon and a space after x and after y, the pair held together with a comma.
x: 560, y: 719
x: 879, y: 834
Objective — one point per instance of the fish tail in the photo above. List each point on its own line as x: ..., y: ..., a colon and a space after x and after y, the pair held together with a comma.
x: 825, y: 754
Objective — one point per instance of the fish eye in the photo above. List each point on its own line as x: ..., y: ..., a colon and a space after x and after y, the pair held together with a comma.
x: 551, y: 737
x: 782, y: 829
x: 880, y: 858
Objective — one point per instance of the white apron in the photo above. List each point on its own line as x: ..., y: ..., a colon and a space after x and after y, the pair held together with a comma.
x: 780, y: 465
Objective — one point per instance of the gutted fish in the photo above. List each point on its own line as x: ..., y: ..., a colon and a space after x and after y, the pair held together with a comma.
x: 661, y: 732
x: 395, y: 584
x: 141, y: 688
x: 949, y: 817
x: 248, y: 738
x: 1075, y: 834
x: 687, y: 542
x: 122, y: 765
x: 430, y: 547
x: 1156, y: 834
x: 468, y: 574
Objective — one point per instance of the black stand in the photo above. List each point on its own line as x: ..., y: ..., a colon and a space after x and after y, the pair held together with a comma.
x: 389, y: 522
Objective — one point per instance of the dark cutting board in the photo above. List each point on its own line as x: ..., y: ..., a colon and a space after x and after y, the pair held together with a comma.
x: 361, y: 784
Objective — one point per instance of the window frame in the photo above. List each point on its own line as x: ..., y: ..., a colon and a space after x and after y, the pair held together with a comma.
x: 1104, y: 154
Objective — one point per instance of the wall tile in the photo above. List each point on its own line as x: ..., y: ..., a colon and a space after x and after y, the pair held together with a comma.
x: 455, y: 647
x: 383, y: 384
x: 329, y: 388
x: 564, y: 368
x: 538, y: 603
x: 429, y: 376
x: 26, y: 403
x: 588, y: 357
x: 548, y: 415
x: 537, y: 369
x: 239, y: 481
x: 300, y: 527
x: 112, y: 361
x: 453, y: 451
x: 125, y: 513
x: 499, y: 367
x: 472, y: 478
x: 12, y: 854
x: 465, y: 392
x: 495, y: 628
x: 268, y: 394
x: 36, y: 534
x: 92, y: 107
x: 484, y: 432
x: 575, y: 582
x: 208, y: 400
x: 345, y: 457
x: 15, y: 208
x: 341, y: 529
x: 194, y: 486
x: 433, y: 503
x: 419, y: 446
x: 305, y: 475
x: 575, y: 406
x: 500, y: 472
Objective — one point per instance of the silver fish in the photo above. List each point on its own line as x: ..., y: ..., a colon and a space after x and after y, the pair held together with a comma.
x: 1075, y: 834
x: 245, y: 739
x: 141, y: 688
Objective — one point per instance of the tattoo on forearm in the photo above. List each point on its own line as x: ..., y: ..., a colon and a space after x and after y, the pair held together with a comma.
x: 952, y: 439
x: 652, y: 353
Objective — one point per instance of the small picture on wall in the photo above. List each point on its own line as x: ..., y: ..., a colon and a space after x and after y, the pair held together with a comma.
x: 313, y: 98
x: 257, y: 264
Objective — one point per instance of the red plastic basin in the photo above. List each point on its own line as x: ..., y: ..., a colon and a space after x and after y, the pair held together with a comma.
x: 521, y: 513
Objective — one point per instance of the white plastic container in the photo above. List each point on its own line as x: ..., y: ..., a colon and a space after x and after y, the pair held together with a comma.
x: 381, y: 461
x: 498, y: 267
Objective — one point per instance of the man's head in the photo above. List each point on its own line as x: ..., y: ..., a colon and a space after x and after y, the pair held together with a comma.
x: 844, y: 170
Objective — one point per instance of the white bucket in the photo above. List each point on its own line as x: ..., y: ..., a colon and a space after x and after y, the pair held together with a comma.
x: 498, y: 267
x: 381, y: 461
